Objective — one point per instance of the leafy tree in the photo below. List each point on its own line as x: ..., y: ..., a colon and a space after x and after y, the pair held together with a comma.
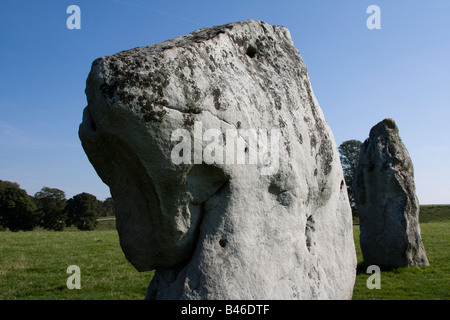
x: 108, y: 207
x: 17, y: 209
x: 82, y: 211
x: 349, y: 153
x: 51, y: 203
x: 6, y: 184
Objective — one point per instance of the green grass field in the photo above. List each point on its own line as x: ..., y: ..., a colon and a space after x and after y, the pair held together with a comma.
x: 427, y: 283
x: 33, y: 265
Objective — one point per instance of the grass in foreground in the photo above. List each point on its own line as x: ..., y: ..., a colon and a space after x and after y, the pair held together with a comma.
x: 33, y: 265
x: 426, y: 283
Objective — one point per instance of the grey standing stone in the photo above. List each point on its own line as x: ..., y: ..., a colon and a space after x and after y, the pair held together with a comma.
x: 280, y: 228
x: 385, y: 195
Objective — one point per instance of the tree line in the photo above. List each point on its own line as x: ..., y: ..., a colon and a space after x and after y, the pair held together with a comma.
x: 49, y: 209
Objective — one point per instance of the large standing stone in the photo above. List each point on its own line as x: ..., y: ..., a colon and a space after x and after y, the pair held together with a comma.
x: 386, y: 198
x: 276, y: 227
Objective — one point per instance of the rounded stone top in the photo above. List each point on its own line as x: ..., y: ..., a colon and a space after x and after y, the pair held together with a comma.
x: 384, y: 127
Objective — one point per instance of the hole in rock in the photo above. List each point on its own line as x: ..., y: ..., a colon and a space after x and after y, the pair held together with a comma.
x: 223, y: 242
x: 251, y: 51
x: 309, y: 230
x: 274, y: 189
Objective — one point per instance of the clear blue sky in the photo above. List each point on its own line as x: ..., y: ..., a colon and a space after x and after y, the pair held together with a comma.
x: 359, y: 76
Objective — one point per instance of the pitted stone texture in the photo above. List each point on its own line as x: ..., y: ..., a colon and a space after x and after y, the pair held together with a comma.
x: 388, y: 207
x: 221, y: 231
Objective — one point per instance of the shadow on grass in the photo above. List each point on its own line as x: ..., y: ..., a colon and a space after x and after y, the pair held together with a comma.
x: 361, y: 268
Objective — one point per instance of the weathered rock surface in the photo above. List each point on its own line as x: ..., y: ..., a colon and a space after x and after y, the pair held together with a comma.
x: 385, y: 195
x: 277, y: 228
